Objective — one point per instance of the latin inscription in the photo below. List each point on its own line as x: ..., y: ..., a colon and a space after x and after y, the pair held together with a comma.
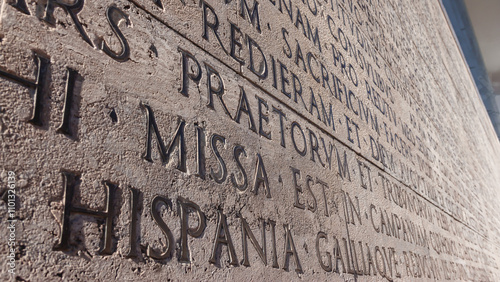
x: 330, y: 176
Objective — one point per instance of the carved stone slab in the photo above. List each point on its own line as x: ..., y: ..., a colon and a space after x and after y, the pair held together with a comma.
x: 242, y: 140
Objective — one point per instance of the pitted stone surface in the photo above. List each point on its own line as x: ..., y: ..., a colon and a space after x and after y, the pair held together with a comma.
x: 243, y: 140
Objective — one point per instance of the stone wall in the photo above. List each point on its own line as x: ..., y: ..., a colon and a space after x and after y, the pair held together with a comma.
x: 242, y: 140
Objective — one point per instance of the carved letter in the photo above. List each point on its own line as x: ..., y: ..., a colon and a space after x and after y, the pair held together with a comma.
x: 219, y: 91
x: 328, y: 266
x: 200, y: 152
x: 42, y: 66
x: 253, y: 13
x: 68, y: 102
x: 297, y: 189
x: 185, y: 205
x: 290, y: 250
x: 113, y: 14
x: 247, y: 232
x: 343, y: 168
x: 262, y: 72
x: 69, y: 182
x: 134, y: 208
x: 178, y: 141
x: 303, y: 151
x: 273, y: 242
x: 21, y: 6
x: 213, y: 26
x: 164, y: 228
x: 261, y: 177
x: 224, y: 239
x: 244, y: 107
x: 186, y: 75
x: 158, y: 3
x: 72, y: 10
x: 238, y: 150
x: 221, y: 175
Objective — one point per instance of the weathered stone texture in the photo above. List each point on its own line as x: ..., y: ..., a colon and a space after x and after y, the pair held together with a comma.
x: 244, y: 140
